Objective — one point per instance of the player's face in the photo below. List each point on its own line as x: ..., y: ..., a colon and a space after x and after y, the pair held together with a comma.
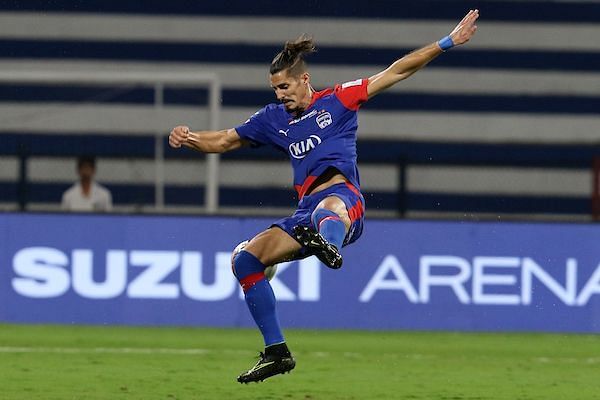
x: 292, y: 91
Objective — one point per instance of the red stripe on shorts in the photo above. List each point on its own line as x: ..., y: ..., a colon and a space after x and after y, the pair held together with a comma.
x: 356, y: 212
x: 354, y: 189
x: 358, y: 209
x: 305, y: 186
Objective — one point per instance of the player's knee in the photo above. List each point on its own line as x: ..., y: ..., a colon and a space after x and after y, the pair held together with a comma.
x: 343, y: 214
x: 244, y: 264
x: 233, y: 257
x: 321, y: 214
x: 235, y: 253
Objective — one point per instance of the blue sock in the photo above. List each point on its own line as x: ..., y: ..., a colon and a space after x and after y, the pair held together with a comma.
x: 259, y: 296
x: 330, y: 226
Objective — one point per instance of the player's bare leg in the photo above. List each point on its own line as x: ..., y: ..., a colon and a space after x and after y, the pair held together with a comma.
x: 325, y: 243
x: 273, y: 246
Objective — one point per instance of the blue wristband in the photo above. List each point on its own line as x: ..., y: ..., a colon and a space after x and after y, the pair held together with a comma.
x: 446, y: 43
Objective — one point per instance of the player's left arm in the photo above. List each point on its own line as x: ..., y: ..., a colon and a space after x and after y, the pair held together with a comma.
x: 412, y: 62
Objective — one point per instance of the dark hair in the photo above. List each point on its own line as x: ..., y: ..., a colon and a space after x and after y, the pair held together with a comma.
x: 292, y: 55
x: 86, y: 159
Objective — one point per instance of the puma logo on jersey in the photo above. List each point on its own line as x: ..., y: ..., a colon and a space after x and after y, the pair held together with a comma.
x: 284, y: 132
x: 300, y: 149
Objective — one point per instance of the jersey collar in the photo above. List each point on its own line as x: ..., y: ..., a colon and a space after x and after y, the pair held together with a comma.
x: 316, y: 96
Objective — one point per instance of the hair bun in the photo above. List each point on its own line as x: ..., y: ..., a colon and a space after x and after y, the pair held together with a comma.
x: 293, y: 52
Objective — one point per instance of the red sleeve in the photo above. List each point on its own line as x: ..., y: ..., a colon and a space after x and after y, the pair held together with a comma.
x: 352, y: 94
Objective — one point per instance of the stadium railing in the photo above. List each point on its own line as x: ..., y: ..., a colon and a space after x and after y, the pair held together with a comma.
x: 23, y: 145
x: 403, y: 155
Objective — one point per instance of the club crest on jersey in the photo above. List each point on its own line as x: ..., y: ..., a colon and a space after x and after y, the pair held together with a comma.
x: 300, y: 149
x: 324, y: 120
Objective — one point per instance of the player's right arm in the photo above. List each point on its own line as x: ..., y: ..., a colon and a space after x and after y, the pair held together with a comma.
x: 206, y: 141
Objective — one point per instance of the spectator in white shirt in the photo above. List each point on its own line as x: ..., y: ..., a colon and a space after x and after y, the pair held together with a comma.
x: 86, y: 195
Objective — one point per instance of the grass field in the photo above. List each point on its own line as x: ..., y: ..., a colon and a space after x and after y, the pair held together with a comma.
x: 58, y: 362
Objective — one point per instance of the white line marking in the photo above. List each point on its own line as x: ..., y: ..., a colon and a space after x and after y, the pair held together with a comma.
x: 110, y: 350
x: 149, y: 350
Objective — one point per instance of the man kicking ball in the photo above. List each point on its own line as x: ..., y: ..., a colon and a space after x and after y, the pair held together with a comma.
x: 317, y: 129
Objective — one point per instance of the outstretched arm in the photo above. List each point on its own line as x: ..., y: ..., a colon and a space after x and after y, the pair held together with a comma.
x: 412, y: 62
x: 206, y: 141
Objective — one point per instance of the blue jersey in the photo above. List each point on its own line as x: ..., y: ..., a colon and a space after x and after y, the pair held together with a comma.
x: 323, y: 136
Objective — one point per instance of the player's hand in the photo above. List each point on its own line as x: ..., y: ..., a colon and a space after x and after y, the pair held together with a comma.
x: 465, y: 28
x: 178, y: 136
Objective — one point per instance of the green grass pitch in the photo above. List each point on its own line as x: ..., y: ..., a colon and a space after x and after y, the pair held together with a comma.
x: 74, y: 362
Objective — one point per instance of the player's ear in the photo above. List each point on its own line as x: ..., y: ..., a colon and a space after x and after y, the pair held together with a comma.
x: 305, y: 78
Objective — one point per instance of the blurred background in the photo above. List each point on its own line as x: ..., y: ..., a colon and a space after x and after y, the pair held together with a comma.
x: 506, y: 127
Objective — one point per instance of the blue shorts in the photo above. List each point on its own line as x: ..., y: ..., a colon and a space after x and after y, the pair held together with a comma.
x: 355, y: 205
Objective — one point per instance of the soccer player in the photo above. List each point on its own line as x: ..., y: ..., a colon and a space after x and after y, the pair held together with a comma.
x: 318, y: 131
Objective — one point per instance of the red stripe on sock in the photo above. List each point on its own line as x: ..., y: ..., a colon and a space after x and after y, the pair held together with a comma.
x: 251, y: 280
x: 331, y: 217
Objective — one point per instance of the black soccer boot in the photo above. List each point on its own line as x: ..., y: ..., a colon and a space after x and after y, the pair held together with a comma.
x: 267, y: 366
x: 316, y: 244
